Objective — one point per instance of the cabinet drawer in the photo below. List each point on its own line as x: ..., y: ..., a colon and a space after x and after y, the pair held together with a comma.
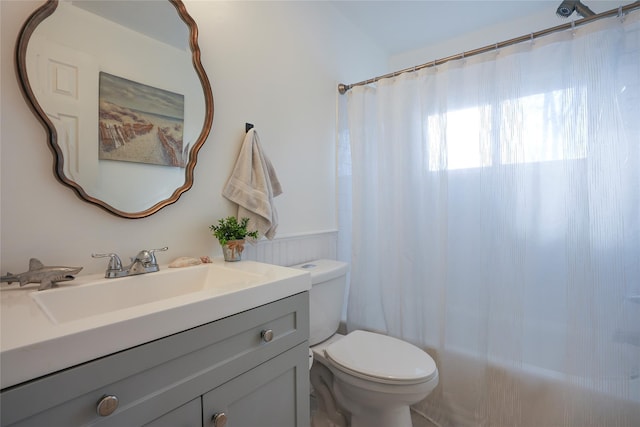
x: 151, y: 379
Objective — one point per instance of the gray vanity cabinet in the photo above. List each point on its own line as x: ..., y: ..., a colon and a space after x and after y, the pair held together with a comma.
x: 252, y: 366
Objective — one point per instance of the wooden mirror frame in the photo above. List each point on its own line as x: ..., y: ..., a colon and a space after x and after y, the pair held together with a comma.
x: 27, y: 30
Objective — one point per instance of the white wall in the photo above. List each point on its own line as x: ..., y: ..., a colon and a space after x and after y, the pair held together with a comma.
x: 465, y: 42
x: 274, y: 64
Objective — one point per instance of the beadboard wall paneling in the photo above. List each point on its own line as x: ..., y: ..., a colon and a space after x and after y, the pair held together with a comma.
x: 294, y: 249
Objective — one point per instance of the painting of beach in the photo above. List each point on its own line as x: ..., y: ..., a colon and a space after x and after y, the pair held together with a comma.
x: 140, y: 123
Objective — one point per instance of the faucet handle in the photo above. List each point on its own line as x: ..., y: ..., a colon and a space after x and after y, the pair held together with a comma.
x: 114, y: 263
x: 148, y: 256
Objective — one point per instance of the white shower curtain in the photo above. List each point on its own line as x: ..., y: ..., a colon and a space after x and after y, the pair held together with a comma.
x: 490, y: 211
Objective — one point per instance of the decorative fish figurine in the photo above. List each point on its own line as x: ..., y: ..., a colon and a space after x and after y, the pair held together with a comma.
x: 38, y: 273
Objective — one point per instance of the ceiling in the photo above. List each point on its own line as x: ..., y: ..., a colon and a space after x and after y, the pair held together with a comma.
x: 399, y: 26
x: 164, y: 26
x: 395, y: 26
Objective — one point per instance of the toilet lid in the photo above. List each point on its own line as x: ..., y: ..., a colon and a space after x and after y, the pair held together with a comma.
x: 381, y: 358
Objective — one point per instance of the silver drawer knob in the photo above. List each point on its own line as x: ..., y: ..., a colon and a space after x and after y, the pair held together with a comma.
x: 107, y: 405
x: 219, y: 419
x: 267, y: 335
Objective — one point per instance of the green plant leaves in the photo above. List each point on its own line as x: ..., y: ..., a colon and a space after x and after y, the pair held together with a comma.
x: 229, y: 229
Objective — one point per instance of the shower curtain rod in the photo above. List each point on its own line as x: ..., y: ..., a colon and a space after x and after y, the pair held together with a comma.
x: 620, y: 11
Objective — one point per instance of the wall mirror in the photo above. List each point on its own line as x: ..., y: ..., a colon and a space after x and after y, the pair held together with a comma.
x: 125, y: 100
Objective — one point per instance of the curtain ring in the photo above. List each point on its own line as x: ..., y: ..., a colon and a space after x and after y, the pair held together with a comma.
x: 620, y: 15
x: 573, y: 27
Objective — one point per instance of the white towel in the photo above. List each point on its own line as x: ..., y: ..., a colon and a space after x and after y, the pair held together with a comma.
x: 252, y: 185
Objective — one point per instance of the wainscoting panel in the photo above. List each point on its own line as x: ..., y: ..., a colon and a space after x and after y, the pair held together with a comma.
x: 294, y: 249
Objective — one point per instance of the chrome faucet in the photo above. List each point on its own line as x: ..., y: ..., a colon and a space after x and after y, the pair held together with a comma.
x: 144, y: 262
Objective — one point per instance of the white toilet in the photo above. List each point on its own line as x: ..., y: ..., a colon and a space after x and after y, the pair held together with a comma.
x: 362, y: 379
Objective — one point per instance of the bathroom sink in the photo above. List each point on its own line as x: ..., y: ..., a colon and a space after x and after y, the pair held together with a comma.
x: 91, y: 297
x: 97, y: 317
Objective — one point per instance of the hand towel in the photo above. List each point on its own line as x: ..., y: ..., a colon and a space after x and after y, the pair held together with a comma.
x: 252, y: 186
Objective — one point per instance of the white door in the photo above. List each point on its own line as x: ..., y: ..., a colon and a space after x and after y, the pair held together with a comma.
x: 65, y: 83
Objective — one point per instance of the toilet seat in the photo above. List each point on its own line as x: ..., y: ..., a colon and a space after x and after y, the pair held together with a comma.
x: 381, y: 358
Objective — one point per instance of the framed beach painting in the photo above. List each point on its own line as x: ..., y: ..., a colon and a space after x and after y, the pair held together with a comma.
x: 140, y: 123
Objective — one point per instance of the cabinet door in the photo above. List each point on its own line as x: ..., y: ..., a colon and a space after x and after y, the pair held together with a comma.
x: 274, y: 394
x: 188, y: 415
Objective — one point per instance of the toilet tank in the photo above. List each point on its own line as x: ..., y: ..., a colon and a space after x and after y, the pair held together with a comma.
x: 326, y: 297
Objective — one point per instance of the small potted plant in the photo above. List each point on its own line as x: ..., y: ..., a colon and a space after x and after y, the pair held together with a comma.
x: 231, y: 234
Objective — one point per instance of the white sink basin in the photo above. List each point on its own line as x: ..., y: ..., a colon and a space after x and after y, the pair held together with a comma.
x: 78, y: 301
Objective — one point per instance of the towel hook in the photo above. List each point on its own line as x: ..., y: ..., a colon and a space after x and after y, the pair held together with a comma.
x: 248, y: 127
